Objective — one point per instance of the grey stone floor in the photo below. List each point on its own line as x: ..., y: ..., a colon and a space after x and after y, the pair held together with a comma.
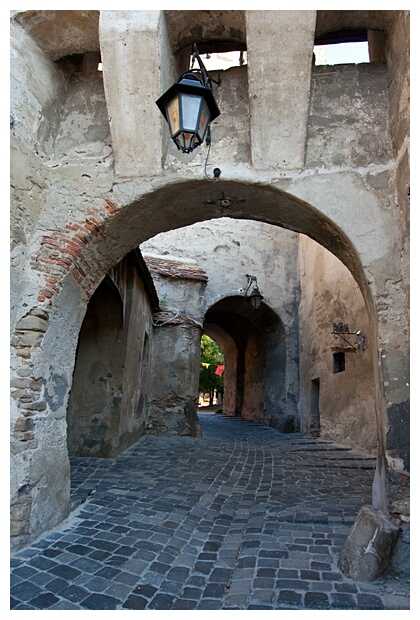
x: 245, y: 519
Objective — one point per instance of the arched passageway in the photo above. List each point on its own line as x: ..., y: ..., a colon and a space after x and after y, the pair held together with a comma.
x: 253, y: 344
x: 123, y: 222
x: 94, y: 177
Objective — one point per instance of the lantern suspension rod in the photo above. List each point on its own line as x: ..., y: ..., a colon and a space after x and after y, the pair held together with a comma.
x: 251, y: 279
x: 207, y: 80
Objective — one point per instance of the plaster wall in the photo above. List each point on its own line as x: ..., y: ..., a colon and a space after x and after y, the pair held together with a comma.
x: 178, y: 294
x: 180, y: 354
x: 348, y: 119
x: 280, y: 47
x: 37, y: 96
x: 107, y: 404
x: 227, y: 249
x: 75, y: 219
x: 137, y: 363
x: 230, y: 353
x: 133, y: 41
x: 329, y: 295
x: 38, y: 84
x: 254, y: 398
x: 94, y: 408
x: 395, y: 356
x: 84, y: 131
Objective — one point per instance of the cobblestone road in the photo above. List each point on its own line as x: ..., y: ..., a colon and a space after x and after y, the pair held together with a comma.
x: 245, y: 518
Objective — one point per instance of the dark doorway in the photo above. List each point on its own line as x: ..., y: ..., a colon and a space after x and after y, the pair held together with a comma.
x: 315, y: 425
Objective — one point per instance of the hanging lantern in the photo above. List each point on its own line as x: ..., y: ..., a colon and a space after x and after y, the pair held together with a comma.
x: 189, y: 107
x: 256, y: 298
x: 255, y: 295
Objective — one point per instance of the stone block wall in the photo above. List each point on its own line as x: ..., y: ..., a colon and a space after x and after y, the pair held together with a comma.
x: 173, y: 398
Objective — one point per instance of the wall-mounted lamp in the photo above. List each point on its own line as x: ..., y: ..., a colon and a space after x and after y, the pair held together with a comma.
x: 189, y: 107
x: 255, y: 294
x: 341, y: 330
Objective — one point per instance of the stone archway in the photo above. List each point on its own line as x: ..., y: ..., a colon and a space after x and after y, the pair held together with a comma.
x: 253, y: 343
x: 84, y: 251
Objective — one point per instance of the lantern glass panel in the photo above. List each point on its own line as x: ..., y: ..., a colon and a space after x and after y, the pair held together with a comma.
x: 190, y: 106
x: 256, y: 298
x: 204, y: 121
x: 172, y: 110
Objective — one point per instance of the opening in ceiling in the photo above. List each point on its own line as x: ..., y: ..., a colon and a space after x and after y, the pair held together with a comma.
x: 342, y: 47
x: 221, y: 61
x: 342, y: 53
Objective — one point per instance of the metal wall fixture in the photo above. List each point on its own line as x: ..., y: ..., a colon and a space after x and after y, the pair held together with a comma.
x: 341, y: 330
x: 189, y: 106
x: 254, y: 295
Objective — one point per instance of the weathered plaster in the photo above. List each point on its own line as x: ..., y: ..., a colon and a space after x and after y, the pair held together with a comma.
x: 329, y: 295
x: 130, y: 41
x: 87, y: 226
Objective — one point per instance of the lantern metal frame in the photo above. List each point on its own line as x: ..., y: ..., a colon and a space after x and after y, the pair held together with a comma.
x: 173, y: 106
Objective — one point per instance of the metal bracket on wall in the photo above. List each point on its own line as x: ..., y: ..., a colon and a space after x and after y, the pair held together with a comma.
x: 341, y: 330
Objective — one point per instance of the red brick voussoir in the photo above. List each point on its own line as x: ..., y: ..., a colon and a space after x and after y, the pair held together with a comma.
x: 62, y: 252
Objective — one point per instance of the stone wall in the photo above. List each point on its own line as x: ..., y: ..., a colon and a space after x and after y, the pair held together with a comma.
x: 347, y: 123
x: 344, y: 401
x: 108, y: 400
x: 173, y: 401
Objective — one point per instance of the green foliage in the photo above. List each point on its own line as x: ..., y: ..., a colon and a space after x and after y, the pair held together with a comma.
x: 211, y: 357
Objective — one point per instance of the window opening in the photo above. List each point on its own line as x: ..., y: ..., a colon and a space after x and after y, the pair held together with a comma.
x: 339, y: 362
x: 342, y: 53
x: 342, y: 48
x: 221, y: 61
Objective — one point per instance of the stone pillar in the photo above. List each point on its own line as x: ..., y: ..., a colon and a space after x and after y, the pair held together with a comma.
x: 280, y: 48
x: 174, y: 376
x: 133, y: 49
x: 377, y: 43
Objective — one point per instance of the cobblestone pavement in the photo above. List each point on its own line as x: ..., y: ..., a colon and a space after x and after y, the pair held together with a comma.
x: 245, y: 518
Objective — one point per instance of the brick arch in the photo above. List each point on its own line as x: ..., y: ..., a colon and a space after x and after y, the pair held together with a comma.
x: 88, y: 248
x: 72, y: 262
x: 81, y: 254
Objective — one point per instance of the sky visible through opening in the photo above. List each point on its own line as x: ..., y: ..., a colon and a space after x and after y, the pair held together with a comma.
x: 342, y: 53
x: 336, y: 54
